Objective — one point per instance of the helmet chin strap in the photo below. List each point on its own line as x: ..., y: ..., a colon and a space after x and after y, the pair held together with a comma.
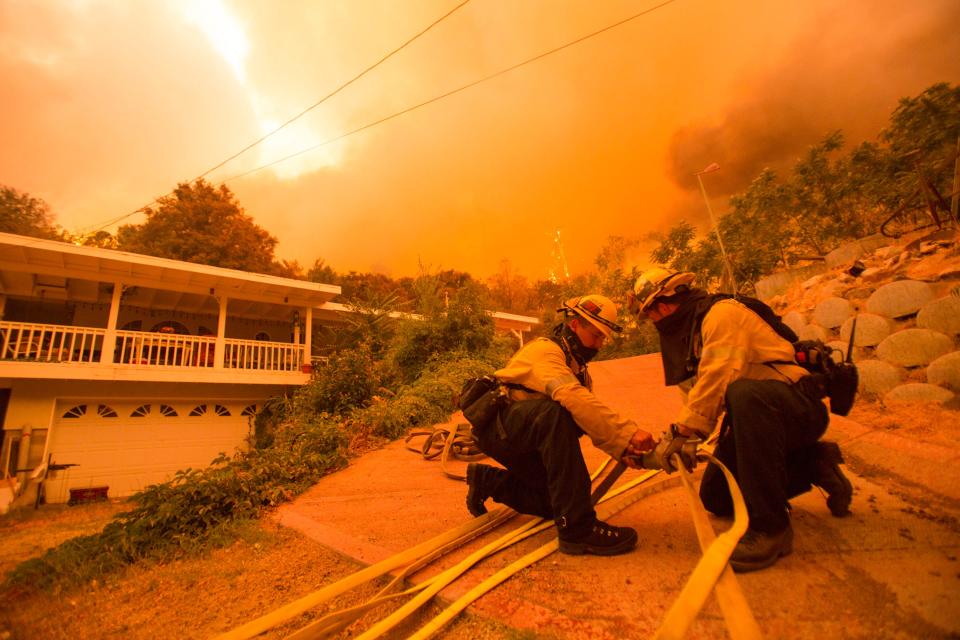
x: 578, y: 351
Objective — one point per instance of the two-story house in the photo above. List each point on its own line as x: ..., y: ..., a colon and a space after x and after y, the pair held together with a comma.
x: 118, y: 369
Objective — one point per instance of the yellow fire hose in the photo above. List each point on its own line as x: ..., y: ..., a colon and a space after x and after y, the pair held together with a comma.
x: 712, y: 567
x: 712, y: 570
x: 330, y: 624
x: 445, y: 442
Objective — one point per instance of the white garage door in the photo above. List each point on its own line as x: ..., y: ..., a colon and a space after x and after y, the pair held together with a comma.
x: 128, y: 446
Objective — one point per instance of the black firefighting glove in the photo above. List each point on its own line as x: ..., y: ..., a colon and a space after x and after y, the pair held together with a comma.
x: 673, y: 442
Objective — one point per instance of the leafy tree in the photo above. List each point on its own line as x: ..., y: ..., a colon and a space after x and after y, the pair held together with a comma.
x: 203, y: 224
x: 674, y: 244
x: 25, y: 215
x: 101, y: 238
x: 509, y: 291
x: 367, y: 287
x: 322, y: 272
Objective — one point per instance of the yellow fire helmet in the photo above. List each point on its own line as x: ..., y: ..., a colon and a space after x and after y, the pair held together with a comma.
x: 657, y: 283
x: 600, y: 311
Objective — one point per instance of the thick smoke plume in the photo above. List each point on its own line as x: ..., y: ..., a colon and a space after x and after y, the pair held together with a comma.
x: 840, y: 75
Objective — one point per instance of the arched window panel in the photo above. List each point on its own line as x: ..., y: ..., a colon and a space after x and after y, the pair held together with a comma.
x: 199, y: 410
x: 76, y: 412
x: 141, y: 412
x: 105, y: 411
x: 249, y: 410
x: 221, y: 410
x: 167, y: 411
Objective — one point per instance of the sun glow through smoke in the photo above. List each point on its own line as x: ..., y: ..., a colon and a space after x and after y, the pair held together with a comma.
x: 227, y: 35
x: 222, y: 29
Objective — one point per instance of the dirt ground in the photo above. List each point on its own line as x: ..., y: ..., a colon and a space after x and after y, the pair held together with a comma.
x: 200, y: 597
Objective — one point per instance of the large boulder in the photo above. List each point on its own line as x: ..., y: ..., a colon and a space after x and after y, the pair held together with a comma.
x: 914, y: 347
x: 871, y: 330
x: 945, y: 371
x: 778, y: 283
x: 813, y: 332
x: 843, y: 255
x: 832, y: 312
x: 900, y: 298
x: 941, y: 315
x: 919, y: 392
x: 878, y: 377
x: 795, y: 321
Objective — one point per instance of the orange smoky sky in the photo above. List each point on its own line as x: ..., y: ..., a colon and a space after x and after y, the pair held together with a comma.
x: 108, y: 104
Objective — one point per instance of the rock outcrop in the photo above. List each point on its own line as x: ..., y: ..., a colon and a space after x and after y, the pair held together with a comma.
x: 905, y: 298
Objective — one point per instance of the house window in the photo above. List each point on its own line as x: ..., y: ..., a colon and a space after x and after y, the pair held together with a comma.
x: 221, y: 410
x: 76, y: 412
x: 141, y: 411
x: 133, y: 325
x: 262, y: 335
x: 171, y: 326
x: 249, y: 410
x: 199, y: 410
x: 167, y: 411
x: 106, y: 412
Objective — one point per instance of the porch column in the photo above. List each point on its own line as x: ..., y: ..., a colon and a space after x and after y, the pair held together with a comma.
x: 308, y: 339
x: 3, y: 305
x: 110, y: 337
x: 23, y: 453
x: 220, y: 347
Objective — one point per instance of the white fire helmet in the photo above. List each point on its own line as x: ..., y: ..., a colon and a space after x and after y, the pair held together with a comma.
x: 657, y: 283
x: 600, y: 311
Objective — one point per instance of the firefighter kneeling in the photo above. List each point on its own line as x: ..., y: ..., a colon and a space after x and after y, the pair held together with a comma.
x: 723, y: 355
x: 536, y: 435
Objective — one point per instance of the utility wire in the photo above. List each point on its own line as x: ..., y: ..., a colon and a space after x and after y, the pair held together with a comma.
x: 335, y: 91
x: 397, y: 114
x: 302, y: 113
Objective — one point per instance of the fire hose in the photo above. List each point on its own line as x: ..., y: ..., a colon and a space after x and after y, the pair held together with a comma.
x: 711, y: 572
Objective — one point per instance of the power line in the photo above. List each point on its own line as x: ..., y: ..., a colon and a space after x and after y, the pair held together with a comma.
x: 335, y: 91
x: 302, y: 113
x: 451, y: 92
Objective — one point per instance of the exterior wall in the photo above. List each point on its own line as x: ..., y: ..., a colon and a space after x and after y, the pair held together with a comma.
x: 31, y: 413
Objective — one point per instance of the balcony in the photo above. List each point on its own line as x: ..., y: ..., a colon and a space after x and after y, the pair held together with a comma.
x: 57, y: 351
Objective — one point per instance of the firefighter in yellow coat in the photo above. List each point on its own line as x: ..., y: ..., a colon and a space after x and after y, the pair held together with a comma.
x: 537, y: 436
x: 726, y: 357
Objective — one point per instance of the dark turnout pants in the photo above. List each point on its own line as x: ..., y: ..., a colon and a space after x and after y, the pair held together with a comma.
x: 768, y: 442
x: 545, y: 471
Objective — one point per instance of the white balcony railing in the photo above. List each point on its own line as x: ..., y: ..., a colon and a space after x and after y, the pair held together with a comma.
x: 164, y: 349
x: 262, y: 356
x: 31, y: 342
x: 49, y: 342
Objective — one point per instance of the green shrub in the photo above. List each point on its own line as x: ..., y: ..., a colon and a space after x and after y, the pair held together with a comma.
x: 348, y: 380
x: 463, y: 326
x: 428, y: 400
x: 267, y: 420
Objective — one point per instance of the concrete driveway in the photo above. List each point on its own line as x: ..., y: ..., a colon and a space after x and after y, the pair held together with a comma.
x: 890, y: 570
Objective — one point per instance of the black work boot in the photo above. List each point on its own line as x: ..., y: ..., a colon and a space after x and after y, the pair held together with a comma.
x: 602, y: 540
x: 481, y: 482
x: 757, y: 550
x: 830, y: 478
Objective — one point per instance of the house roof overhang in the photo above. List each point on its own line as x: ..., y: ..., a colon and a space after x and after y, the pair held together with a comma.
x: 62, y: 262
x: 337, y: 312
